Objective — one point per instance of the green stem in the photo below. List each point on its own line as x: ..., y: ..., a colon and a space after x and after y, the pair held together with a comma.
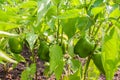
x: 88, y: 61
x: 33, y: 56
x: 93, y: 29
x: 62, y: 27
x: 62, y: 37
x: 97, y: 30
x: 89, y: 32
x: 110, y: 25
x: 34, y: 61
x: 86, y: 67
x: 58, y: 23
x: 5, y: 69
x: 85, y: 2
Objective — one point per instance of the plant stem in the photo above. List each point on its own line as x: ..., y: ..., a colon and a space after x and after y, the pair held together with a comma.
x: 93, y: 29
x: 36, y: 69
x: 4, y: 66
x: 86, y: 67
x: 34, y: 61
x: 110, y: 25
x: 62, y: 37
x: 62, y: 27
x: 97, y: 30
x: 88, y: 60
x: 58, y: 23
x: 89, y: 32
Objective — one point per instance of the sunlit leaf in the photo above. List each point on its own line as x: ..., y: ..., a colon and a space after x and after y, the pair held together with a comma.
x: 84, y: 23
x: 51, y: 12
x: 115, y: 13
x: 5, y: 57
x: 96, y: 10
x: 31, y: 39
x: 97, y: 3
x: 29, y: 72
x: 56, y: 60
x: 69, y: 26
x: 6, y: 34
x: 4, y: 16
x: 43, y: 6
x: 110, y: 53
x: 28, y: 4
x: 18, y: 57
x: 75, y: 2
x: 73, y: 13
x: 76, y: 75
x: 7, y: 26
x: 56, y: 2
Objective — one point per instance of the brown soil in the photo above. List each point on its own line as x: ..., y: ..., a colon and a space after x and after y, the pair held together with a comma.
x: 14, y: 74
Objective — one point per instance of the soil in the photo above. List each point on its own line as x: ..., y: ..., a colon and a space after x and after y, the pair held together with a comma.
x: 10, y: 73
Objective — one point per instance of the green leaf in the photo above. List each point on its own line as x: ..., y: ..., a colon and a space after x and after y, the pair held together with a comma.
x: 75, y: 64
x: 31, y: 39
x: 111, y: 8
x: 3, y: 43
x: 7, y: 26
x: 115, y: 13
x: 117, y: 24
x: 96, y: 10
x: 116, y: 1
x: 97, y: 3
x: 25, y: 74
x: 32, y: 69
x: 1, y: 1
x: 110, y: 53
x: 4, y: 16
x: 29, y: 72
x: 84, y: 23
x: 6, y: 34
x: 71, y: 48
x: 56, y: 2
x: 18, y: 57
x: 5, y: 57
x: 51, y: 13
x: 28, y: 4
x: 56, y: 60
x: 77, y: 74
x: 43, y: 6
x: 73, y: 13
x: 69, y: 26
x: 75, y: 2
x: 59, y: 69
x: 9, y: 15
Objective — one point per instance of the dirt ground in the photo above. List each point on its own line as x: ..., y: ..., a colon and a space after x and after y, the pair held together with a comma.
x: 14, y: 74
